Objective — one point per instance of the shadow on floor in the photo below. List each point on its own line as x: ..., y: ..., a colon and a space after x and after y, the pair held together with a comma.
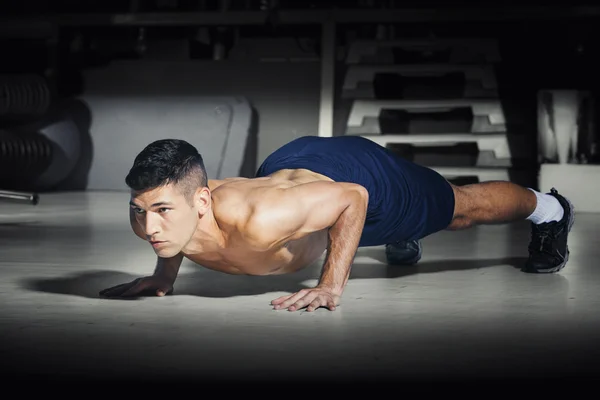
x: 424, y: 267
x: 208, y: 283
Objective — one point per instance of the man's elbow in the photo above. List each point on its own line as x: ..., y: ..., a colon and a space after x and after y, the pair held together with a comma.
x: 354, y: 200
x: 359, y: 196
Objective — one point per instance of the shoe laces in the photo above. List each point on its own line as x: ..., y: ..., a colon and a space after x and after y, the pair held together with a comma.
x: 542, y: 238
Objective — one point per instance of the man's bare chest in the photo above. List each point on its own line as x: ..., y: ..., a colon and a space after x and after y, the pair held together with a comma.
x: 241, y: 259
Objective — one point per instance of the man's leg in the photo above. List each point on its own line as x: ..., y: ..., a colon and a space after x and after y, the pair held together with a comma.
x: 551, y: 216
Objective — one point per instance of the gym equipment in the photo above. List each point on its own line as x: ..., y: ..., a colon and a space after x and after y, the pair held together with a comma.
x: 419, y: 81
x: 39, y: 155
x: 365, y: 115
x: 432, y: 100
x: 424, y: 50
x: 20, y: 197
x: 23, y: 96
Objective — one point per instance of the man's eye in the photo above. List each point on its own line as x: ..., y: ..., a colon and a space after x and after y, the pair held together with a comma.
x: 138, y: 210
x: 163, y: 210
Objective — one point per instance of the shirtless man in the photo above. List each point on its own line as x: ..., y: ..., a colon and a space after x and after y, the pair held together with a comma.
x: 313, y: 196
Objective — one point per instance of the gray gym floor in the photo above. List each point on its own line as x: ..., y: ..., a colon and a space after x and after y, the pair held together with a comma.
x: 466, y: 312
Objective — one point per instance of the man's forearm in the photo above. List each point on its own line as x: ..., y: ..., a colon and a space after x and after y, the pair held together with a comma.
x: 168, y: 267
x: 344, y: 237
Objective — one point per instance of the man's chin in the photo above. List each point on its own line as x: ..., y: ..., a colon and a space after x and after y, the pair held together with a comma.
x: 165, y: 252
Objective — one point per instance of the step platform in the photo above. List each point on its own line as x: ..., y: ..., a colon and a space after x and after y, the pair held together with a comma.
x: 474, y: 174
x: 419, y: 81
x: 478, y: 150
x: 424, y: 51
x: 425, y: 116
x: 462, y: 162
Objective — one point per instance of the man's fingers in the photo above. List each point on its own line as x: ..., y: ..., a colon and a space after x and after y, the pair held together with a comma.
x: 321, y: 301
x: 331, y: 305
x: 291, y: 300
x: 148, y: 286
x: 303, y: 301
x: 116, y: 290
x: 136, y: 288
x: 106, y: 292
x: 122, y: 290
x: 285, y: 301
x: 164, y: 291
x: 281, y: 299
x: 311, y: 299
x: 316, y: 303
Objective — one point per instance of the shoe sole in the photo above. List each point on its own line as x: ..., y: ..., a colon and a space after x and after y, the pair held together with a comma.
x: 415, y: 259
x: 564, y: 263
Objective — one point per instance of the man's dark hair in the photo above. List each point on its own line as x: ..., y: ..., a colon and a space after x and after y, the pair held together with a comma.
x: 168, y: 161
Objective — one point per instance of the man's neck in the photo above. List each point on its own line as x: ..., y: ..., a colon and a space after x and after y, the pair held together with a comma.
x: 215, y: 183
x: 208, y: 238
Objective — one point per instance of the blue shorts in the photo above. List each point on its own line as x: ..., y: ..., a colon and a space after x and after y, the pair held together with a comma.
x: 407, y: 201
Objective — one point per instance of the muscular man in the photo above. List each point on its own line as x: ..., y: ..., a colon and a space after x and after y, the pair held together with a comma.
x: 311, y: 197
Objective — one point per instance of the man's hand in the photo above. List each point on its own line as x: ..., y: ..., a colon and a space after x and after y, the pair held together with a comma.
x: 309, y: 298
x: 154, y: 285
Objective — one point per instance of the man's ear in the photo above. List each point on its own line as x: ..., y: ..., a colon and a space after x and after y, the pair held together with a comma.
x: 203, y: 200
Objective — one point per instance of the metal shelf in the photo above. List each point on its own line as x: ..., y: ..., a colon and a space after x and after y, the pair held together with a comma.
x: 308, y: 17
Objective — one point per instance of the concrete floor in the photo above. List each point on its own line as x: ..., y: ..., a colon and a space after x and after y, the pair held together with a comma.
x: 464, y: 314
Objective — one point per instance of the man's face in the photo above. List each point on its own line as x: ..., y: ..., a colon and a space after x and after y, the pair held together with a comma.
x: 166, y: 217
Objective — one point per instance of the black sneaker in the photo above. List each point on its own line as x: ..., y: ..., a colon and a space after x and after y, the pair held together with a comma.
x: 548, y: 249
x: 404, y: 252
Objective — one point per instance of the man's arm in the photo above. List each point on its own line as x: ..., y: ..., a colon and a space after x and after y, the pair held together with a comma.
x: 301, y: 210
x: 168, y: 268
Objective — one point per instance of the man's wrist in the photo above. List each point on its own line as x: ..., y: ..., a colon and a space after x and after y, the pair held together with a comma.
x: 336, y: 290
x: 166, y: 274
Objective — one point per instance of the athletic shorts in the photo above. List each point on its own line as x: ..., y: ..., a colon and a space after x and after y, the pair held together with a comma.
x: 407, y: 201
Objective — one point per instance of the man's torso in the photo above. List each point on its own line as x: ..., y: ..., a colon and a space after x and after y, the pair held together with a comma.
x: 233, y: 199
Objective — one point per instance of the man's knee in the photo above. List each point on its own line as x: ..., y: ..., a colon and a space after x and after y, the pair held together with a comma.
x: 460, y: 222
x: 464, y: 206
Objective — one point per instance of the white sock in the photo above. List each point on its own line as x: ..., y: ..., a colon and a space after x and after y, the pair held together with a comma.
x: 548, y: 209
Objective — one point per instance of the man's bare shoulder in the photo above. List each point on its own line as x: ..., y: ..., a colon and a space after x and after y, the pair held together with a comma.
x: 244, y: 206
x: 236, y: 198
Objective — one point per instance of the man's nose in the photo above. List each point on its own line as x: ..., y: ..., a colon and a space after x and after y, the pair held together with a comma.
x: 152, y: 226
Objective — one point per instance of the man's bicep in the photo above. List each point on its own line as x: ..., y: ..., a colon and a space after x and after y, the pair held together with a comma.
x: 322, y: 204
